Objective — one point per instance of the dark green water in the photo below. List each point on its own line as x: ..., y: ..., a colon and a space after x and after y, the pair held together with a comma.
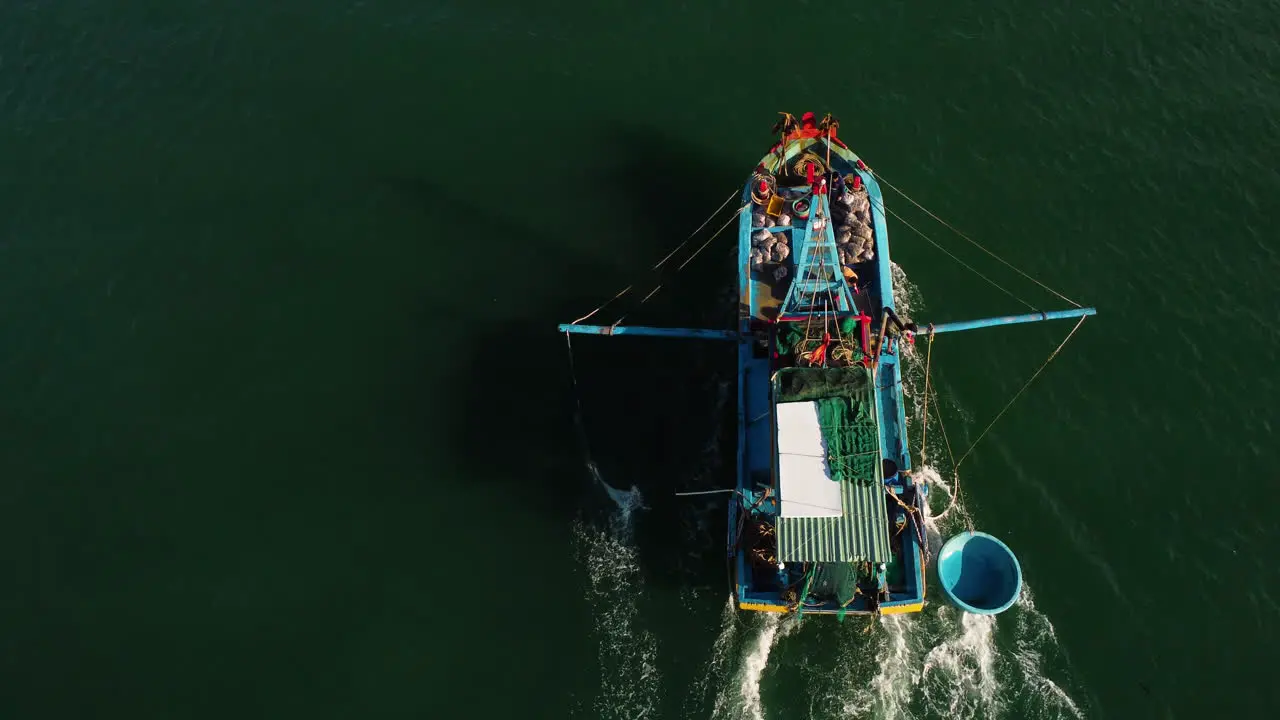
x: 286, y: 429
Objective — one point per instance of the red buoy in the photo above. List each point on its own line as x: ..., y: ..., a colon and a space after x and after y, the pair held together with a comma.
x: 857, y: 182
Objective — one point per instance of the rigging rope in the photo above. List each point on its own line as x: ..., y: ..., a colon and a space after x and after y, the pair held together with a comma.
x: 690, y: 259
x: 924, y: 422
x: 713, y: 237
x: 955, y: 476
x: 695, y: 232
x: 967, y: 266
x: 663, y: 261
x: 625, y: 290
x: 973, y: 242
x: 1026, y: 385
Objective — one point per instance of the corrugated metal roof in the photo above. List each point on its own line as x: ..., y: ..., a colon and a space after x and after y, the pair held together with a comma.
x: 861, y: 534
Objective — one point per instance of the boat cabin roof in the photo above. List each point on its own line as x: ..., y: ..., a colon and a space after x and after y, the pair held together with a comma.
x: 806, y: 486
x: 829, y: 476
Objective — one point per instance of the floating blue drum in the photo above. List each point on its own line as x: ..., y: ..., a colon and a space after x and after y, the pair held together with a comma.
x: 979, y: 573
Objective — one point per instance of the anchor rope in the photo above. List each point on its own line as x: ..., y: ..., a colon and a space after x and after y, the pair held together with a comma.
x: 955, y: 476
x: 942, y: 427
x: 1025, y: 385
x: 973, y: 242
x: 663, y: 261
x: 577, y: 399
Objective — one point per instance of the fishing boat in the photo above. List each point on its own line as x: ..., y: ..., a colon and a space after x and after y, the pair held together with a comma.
x: 827, y: 516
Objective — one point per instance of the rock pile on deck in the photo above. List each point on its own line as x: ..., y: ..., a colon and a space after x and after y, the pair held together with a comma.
x: 770, y: 247
x: 851, y: 215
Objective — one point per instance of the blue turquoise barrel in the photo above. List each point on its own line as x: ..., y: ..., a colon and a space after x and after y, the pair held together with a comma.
x: 979, y: 573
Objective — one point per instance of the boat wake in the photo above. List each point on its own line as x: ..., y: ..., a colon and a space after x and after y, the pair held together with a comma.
x: 938, y: 663
x: 943, y: 663
x: 630, y: 683
x: 739, y: 697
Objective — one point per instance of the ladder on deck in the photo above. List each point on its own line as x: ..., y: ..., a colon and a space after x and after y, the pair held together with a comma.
x: 819, y: 286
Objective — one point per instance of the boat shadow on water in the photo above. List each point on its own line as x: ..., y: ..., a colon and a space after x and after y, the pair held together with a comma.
x: 513, y: 401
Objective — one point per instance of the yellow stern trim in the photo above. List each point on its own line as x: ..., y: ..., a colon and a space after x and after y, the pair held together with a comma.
x: 902, y: 609
x: 762, y: 607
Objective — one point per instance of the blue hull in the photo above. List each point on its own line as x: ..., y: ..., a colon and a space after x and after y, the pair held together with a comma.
x: 761, y: 300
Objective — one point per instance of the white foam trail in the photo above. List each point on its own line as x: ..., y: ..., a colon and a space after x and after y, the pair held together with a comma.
x: 888, y: 694
x: 716, y: 672
x: 959, y: 674
x: 630, y: 684
x: 941, y: 662
x: 753, y: 667
x: 1035, y: 636
x: 744, y: 701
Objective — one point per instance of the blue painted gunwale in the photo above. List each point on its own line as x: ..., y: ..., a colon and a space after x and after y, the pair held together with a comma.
x: 756, y: 453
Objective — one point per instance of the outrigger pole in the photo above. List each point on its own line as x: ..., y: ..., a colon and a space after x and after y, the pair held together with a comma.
x: 1007, y: 320
x: 688, y: 333
x: 731, y: 335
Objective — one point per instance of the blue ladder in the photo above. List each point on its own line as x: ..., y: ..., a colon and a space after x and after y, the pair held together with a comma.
x: 818, y: 286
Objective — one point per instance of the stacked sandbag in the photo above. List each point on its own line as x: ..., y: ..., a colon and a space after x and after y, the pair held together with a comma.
x: 760, y: 220
x: 851, y: 218
x: 769, y: 247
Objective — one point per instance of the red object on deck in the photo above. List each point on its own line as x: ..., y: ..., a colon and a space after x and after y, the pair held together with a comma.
x: 819, y: 355
x: 857, y: 182
x: 865, y: 320
x: 764, y: 187
x: 808, y: 169
x: 808, y: 129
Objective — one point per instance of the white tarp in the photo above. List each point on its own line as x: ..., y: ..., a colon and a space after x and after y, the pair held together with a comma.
x: 805, y: 486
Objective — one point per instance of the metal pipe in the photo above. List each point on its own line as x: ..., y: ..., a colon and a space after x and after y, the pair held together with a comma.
x: 689, y: 333
x: 1007, y: 320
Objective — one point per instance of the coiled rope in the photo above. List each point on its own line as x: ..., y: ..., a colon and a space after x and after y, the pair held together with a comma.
x: 759, y: 194
x: 807, y: 157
